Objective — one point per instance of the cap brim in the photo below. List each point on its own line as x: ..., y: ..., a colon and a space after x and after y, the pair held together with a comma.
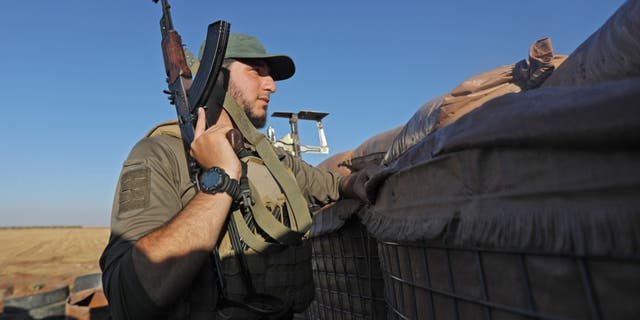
x: 282, y: 66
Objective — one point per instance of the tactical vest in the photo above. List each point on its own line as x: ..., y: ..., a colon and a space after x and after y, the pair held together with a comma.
x: 272, y: 226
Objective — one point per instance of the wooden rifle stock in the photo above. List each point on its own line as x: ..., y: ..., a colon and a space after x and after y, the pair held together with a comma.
x: 174, y: 59
x: 179, y: 76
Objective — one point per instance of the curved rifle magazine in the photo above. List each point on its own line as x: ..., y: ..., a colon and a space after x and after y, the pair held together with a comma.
x: 210, y: 64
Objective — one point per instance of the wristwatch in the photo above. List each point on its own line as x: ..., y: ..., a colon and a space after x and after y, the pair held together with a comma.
x: 215, y: 180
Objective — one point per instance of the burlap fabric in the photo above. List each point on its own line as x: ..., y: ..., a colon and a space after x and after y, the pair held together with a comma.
x: 474, y: 92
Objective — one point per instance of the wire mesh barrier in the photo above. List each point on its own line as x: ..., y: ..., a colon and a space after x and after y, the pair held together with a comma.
x: 347, y: 276
x: 511, y: 213
x: 432, y: 281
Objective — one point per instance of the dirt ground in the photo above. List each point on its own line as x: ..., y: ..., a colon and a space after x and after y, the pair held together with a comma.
x: 33, y: 260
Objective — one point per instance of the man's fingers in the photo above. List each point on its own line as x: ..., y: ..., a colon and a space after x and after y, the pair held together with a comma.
x: 201, y: 123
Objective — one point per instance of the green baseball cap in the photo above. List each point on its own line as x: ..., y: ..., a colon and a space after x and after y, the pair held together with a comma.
x: 244, y: 46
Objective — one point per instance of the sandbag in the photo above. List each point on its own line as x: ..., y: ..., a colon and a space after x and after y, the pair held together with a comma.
x: 373, y: 150
x: 475, y: 91
x: 524, y: 208
x: 333, y: 216
x: 338, y: 163
x: 553, y: 169
x: 610, y: 53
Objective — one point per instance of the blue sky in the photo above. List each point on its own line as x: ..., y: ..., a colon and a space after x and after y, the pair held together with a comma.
x: 82, y: 80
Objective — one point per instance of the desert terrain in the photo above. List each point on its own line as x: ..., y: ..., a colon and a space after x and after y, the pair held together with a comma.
x: 33, y: 260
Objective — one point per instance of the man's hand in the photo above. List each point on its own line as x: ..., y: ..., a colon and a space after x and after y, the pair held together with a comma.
x: 210, y: 147
x: 167, y: 258
x: 354, y: 185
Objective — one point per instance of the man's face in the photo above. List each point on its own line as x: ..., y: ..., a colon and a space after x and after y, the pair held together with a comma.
x: 251, y: 86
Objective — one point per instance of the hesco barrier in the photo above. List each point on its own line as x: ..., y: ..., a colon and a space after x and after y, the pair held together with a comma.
x: 510, y: 212
x: 434, y: 281
x: 346, y: 269
x: 526, y: 207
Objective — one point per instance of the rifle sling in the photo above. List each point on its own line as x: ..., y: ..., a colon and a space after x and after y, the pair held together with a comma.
x: 254, y: 241
x: 270, y: 225
x: 300, y: 218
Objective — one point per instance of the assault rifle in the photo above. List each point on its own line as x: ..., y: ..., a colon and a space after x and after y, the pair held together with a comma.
x: 187, y: 94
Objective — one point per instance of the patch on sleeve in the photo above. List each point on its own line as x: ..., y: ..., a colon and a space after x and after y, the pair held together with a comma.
x: 134, y: 189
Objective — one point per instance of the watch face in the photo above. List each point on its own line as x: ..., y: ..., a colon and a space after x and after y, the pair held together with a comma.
x: 211, y: 179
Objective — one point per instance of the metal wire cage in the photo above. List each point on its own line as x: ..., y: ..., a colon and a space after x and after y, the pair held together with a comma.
x: 434, y: 281
x: 347, y: 276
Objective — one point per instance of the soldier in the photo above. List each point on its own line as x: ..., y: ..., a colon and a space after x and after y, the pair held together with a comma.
x: 159, y: 263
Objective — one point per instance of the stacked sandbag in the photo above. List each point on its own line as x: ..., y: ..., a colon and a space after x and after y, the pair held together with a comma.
x: 604, y: 119
x: 612, y: 52
x: 521, y: 201
x: 345, y: 260
x: 339, y: 163
x: 373, y: 150
x: 474, y: 92
x: 527, y: 207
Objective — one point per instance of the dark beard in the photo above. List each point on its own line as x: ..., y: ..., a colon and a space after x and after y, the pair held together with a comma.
x: 257, y: 121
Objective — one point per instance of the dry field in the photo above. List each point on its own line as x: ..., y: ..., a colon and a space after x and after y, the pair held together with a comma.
x: 40, y: 259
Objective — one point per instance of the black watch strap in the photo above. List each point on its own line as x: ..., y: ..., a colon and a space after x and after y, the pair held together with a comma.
x: 224, y: 184
x: 232, y: 188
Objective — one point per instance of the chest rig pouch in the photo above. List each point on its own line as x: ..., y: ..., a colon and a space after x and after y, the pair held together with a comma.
x: 264, y: 259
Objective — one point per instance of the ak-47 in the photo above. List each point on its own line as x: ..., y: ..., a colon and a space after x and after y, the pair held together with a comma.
x: 187, y: 94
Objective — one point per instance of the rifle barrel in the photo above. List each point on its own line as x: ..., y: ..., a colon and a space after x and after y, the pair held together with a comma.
x: 166, y: 23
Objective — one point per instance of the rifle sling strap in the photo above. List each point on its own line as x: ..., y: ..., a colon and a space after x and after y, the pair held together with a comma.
x: 300, y: 218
